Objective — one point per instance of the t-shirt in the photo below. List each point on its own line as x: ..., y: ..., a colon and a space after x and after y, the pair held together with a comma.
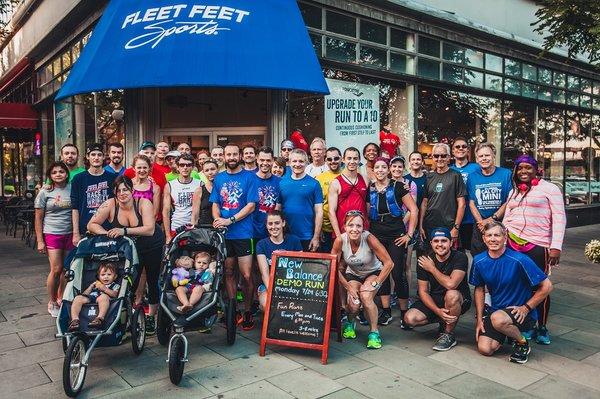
x: 266, y: 247
x: 420, y: 183
x: 56, y: 204
x: 110, y: 169
x: 268, y: 197
x: 162, y: 168
x: 510, y: 279
x: 389, y: 142
x: 489, y: 192
x: 325, y: 180
x: 298, y: 199
x: 466, y: 171
x: 195, y: 175
x: 456, y: 261
x: 232, y: 192
x: 88, y: 192
x: 75, y: 172
x: 314, y: 171
x: 391, y: 227
x: 441, y: 191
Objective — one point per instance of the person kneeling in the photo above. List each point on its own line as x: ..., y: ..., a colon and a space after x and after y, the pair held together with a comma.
x: 443, y: 290
x: 511, y: 278
x: 193, y: 282
x: 100, y: 292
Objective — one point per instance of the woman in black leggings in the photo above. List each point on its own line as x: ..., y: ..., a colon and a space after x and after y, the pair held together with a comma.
x: 134, y: 217
x: 385, y: 200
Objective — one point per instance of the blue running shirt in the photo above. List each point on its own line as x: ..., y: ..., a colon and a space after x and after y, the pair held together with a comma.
x: 489, y: 192
x: 298, y: 199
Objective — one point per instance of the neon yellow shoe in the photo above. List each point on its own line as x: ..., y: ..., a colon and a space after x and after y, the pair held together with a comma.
x: 349, y: 332
x: 374, y: 340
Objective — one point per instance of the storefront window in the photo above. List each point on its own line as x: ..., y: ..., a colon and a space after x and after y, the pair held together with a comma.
x: 577, y: 159
x: 493, y: 63
x: 474, y: 58
x: 428, y: 68
x: 551, y: 144
x: 454, y: 53
x: 312, y: 15
x: 402, y: 40
x: 372, y: 32
x: 372, y: 56
x: 340, y: 50
x: 594, y: 160
x: 341, y: 24
x: 519, y: 130
x: 429, y: 46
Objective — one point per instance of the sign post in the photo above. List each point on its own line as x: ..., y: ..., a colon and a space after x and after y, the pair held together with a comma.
x: 299, y: 301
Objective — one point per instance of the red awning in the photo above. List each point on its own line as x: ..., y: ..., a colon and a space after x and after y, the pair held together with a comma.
x: 18, y: 116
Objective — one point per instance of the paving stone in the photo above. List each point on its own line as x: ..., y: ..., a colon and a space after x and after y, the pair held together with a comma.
x: 418, y: 368
x: 581, y: 313
x: 21, y: 357
x: 593, y: 360
x: 415, y: 341
x: 22, y: 378
x: 496, y: 368
x: 379, y: 383
x: 242, y: 371
x: 468, y: 385
x: 564, y: 347
x: 576, y: 323
x: 594, y: 292
x: 164, y: 388
x: 20, y: 313
x: 345, y: 393
x: 257, y: 390
x: 338, y: 364
x: 557, y: 329
x: 12, y: 303
x: 578, y: 372
x: 583, y: 337
x: 556, y: 387
x: 39, y: 336
x: 9, y: 342
x: 242, y: 347
x: 304, y: 383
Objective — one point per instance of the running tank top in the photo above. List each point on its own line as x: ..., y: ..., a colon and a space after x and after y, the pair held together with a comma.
x: 181, y: 197
x: 142, y: 243
x: 363, y: 262
x: 205, y: 207
x: 352, y: 197
x: 115, y: 222
x: 148, y: 194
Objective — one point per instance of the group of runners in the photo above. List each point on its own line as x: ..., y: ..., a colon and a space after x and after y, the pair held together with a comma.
x: 464, y: 223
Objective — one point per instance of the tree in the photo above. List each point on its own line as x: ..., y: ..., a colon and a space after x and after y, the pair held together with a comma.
x: 574, y: 24
x: 6, y: 9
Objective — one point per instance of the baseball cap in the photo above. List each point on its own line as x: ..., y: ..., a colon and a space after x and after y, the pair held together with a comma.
x: 287, y: 144
x: 94, y: 147
x: 398, y: 158
x: 147, y: 144
x: 173, y: 153
x: 441, y: 232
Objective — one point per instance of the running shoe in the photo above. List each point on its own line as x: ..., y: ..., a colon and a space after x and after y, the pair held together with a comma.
x: 343, y: 315
x: 385, y: 317
x: 530, y: 334
x: 362, y: 319
x: 374, y: 340
x: 543, y: 336
x: 53, y: 309
x: 239, y: 296
x: 247, y: 321
x: 520, y: 352
x: 254, y: 308
x: 150, y: 325
x: 445, y: 341
x: 348, y: 331
x: 405, y: 326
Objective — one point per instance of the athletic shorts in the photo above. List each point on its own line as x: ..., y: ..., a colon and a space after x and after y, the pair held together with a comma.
x: 59, y: 241
x: 439, y: 302
x: 385, y: 288
x: 496, y: 335
x: 306, y: 245
x: 237, y: 248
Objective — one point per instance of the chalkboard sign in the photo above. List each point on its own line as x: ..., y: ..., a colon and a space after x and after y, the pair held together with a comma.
x: 299, y: 301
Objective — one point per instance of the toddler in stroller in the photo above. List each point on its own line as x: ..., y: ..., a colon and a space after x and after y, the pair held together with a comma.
x: 190, y: 283
x: 100, y: 292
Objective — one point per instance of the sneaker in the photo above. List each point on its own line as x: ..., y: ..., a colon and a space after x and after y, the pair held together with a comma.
x: 362, y: 319
x: 239, y: 296
x: 343, y: 315
x: 348, y: 331
x: 239, y: 318
x: 393, y: 300
x: 385, y: 318
x: 530, y: 334
x: 444, y: 342
x: 53, y: 309
x: 374, y: 340
x: 255, y: 308
x: 405, y: 326
x: 543, y: 336
x: 150, y: 325
x: 248, y: 321
x: 520, y: 352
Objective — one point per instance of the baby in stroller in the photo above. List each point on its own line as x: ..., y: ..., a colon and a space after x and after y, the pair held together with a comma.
x: 100, y: 292
x: 191, y: 278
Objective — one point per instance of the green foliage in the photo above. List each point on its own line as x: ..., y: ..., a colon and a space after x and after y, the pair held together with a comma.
x: 574, y: 24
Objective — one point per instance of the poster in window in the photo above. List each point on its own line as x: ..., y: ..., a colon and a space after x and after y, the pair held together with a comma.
x: 63, y: 125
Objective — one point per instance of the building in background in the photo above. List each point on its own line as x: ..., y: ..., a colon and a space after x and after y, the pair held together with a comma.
x: 428, y: 70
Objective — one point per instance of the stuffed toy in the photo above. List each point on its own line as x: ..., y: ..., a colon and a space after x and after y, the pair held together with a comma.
x: 181, y: 274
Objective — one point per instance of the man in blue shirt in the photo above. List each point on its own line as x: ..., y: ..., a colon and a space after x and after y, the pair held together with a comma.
x: 233, y: 199
x: 460, y: 152
x: 511, y: 278
x: 267, y: 185
x: 302, y: 202
x: 488, y: 190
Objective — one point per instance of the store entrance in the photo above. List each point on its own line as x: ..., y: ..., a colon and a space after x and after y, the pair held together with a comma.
x: 207, y: 138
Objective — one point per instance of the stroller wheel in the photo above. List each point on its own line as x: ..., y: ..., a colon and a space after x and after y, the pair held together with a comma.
x: 73, y: 368
x: 231, y: 321
x: 176, y: 360
x: 65, y: 344
x: 162, y: 327
x: 138, y: 330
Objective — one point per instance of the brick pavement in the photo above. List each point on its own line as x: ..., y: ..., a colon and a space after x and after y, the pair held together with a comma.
x: 31, y: 358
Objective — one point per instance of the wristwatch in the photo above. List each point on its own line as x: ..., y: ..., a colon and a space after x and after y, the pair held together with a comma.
x: 232, y: 219
x: 456, y: 226
x: 375, y: 284
x: 495, y: 217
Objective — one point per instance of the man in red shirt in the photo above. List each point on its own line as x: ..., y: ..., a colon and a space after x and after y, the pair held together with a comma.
x: 389, y: 142
x: 299, y: 141
x: 160, y: 161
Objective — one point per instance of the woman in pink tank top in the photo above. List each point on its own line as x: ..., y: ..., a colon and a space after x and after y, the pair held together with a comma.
x: 143, y: 186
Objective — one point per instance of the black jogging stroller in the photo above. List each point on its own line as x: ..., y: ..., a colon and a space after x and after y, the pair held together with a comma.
x: 172, y: 323
x: 122, y: 316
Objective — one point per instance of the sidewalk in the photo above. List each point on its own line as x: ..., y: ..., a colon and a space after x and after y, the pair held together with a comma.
x: 31, y: 358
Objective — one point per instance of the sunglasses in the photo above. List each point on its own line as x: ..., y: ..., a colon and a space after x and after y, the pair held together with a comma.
x: 461, y: 146
x: 185, y: 165
x: 436, y: 156
x: 354, y: 212
x: 332, y: 159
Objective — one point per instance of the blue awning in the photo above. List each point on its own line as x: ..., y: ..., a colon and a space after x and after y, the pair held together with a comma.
x: 223, y: 43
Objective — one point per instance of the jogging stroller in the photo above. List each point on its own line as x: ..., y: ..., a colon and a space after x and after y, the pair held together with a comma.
x: 121, y: 316
x: 172, y: 323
